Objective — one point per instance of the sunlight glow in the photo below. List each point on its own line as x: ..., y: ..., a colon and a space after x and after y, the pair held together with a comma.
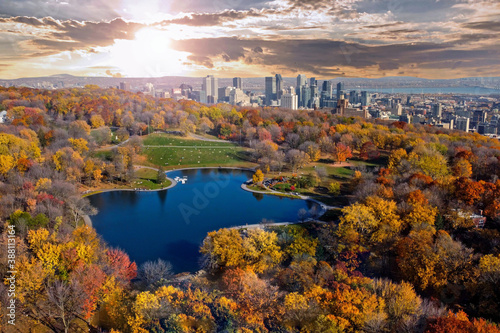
x: 148, y: 55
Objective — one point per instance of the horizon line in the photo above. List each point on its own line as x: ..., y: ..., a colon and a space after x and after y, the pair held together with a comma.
x: 243, y: 77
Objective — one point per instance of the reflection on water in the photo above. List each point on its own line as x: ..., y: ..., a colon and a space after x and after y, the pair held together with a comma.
x: 172, y: 224
x: 258, y: 196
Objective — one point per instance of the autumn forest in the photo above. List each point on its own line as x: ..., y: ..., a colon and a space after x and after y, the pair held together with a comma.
x: 414, y: 247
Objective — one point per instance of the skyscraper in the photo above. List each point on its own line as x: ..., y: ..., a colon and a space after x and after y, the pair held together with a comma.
x: 301, y: 80
x: 270, y: 89
x: 305, y: 96
x: 313, y: 82
x: 437, y: 110
x: 237, y: 82
x: 462, y: 124
x: 223, y: 94
x: 279, y: 86
x: 210, y: 90
x: 353, y: 97
x: 340, y: 89
x: 124, y: 85
x: 314, y: 95
x: 365, y: 98
x: 327, y: 89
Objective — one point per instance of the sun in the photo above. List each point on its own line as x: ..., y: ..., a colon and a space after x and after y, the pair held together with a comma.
x: 148, y: 55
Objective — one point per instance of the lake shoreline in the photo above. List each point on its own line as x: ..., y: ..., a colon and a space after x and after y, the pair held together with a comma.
x: 284, y: 212
x: 324, y: 207
x: 88, y: 220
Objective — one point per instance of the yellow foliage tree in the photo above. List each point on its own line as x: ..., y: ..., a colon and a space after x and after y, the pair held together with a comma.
x: 86, y: 243
x: 97, y: 175
x: 80, y: 145
x: 395, y: 160
x: 462, y: 168
x: 224, y: 248
x: 258, y: 177
x: 389, y: 223
x: 358, y: 217
x: 314, y: 153
x: 97, y: 121
x: 7, y: 163
x: 489, y: 266
x: 261, y: 250
x: 30, y: 280
x: 43, y: 184
x: 401, y: 300
x: 302, y: 245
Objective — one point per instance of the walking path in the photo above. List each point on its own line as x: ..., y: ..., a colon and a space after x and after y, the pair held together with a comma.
x: 297, y: 196
x: 173, y: 183
x: 324, y: 207
x: 274, y: 224
x: 112, y: 147
x: 202, y: 138
x: 197, y: 147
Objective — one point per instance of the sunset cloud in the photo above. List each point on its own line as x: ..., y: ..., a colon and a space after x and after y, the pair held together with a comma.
x: 446, y: 38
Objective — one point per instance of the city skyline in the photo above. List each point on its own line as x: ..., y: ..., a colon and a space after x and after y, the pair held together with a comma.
x: 322, y: 39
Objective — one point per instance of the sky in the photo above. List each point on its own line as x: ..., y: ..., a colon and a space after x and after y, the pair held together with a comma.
x: 250, y: 38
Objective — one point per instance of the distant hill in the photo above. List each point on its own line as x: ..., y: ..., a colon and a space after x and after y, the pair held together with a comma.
x: 254, y: 84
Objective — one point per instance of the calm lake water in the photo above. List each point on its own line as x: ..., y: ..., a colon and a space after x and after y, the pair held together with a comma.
x: 172, y: 224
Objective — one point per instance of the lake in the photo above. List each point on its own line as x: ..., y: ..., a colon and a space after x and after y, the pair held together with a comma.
x: 172, y: 224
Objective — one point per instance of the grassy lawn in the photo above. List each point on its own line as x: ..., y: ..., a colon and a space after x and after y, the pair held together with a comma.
x: 343, y: 175
x: 257, y: 188
x: 104, y: 155
x: 159, y: 139
x: 282, y: 187
x: 340, y: 173
x: 146, y: 179
x: 222, y: 154
x: 382, y: 161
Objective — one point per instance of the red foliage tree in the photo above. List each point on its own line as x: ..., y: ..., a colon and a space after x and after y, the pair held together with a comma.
x: 91, y: 278
x: 121, y: 267
x: 468, y: 191
x: 342, y: 152
x: 369, y: 151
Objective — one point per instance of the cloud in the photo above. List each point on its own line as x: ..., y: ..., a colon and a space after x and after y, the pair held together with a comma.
x: 339, y: 8
x: 493, y: 26
x: 97, y: 34
x: 108, y: 72
x: 324, y: 57
x: 201, y: 60
x: 74, y: 35
x: 213, y: 19
x: 32, y: 21
x: 47, y: 36
x: 321, y: 37
x: 63, y: 10
x: 203, y: 6
x: 385, y: 25
x: 415, y: 11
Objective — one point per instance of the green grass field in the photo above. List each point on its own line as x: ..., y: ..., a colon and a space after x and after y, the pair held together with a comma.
x: 147, y: 179
x: 105, y: 155
x: 257, y: 188
x: 212, y: 154
x: 170, y: 140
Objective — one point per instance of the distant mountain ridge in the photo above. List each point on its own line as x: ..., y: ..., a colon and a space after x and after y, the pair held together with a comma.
x: 254, y: 83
